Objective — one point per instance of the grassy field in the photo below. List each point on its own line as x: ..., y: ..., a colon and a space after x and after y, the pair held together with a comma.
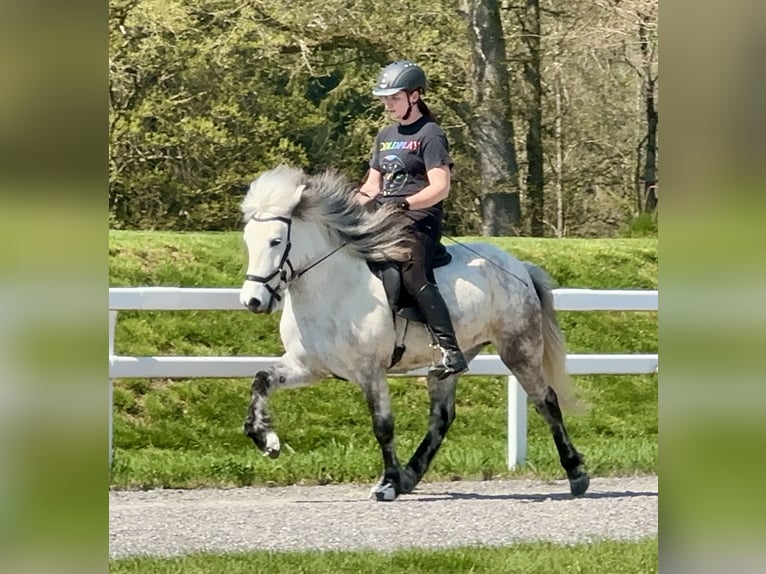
x: 543, y: 558
x: 187, y: 433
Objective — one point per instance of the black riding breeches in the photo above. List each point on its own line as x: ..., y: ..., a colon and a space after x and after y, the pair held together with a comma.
x: 426, y: 233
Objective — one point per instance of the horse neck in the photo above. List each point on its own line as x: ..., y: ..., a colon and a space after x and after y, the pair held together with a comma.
x: 312, y: 242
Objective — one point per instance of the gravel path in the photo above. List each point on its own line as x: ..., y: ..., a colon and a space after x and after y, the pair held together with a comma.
x: 497, y: 512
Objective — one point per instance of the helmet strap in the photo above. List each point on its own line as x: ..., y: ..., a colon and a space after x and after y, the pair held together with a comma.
x: 409, y: 107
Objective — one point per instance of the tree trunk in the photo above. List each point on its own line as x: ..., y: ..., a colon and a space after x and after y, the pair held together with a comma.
x: 535, y: 179
x: 652, y: 119
x: 559, y: 138
x: 490, y: 123
x: 499, y: 213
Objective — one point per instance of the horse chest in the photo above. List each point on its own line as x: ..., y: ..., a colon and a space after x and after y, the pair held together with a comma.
x: 334, y: 328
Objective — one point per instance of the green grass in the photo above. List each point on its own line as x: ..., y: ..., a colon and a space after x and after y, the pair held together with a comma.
x: 187, y: 433
x: 544, y: 558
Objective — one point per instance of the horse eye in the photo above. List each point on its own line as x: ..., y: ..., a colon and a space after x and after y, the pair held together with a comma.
x: 274, y: 242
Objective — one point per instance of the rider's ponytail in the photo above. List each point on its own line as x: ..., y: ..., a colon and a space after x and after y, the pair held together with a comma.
x: 423, y: 107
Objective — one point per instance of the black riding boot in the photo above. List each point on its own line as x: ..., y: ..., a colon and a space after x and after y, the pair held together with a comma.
x: 437, y: 316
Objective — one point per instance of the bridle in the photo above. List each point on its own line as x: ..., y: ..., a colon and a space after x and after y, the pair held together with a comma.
x: 284, y: 264
x: 280, y: 270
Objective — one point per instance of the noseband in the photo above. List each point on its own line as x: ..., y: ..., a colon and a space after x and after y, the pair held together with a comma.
x: 284, y: 261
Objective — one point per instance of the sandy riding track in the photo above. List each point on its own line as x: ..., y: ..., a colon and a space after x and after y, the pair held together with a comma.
x: 497, y: 512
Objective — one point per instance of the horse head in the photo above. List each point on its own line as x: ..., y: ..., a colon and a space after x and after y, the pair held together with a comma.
x: 267, y: 211
x: 285, y: 195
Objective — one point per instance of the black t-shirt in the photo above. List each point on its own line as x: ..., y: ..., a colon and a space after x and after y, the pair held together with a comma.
x: 404, y: 154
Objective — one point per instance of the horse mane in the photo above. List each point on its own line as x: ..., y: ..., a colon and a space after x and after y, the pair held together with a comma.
x: 328, y: 198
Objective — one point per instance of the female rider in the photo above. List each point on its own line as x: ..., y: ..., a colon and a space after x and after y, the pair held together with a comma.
x: 410, y: 167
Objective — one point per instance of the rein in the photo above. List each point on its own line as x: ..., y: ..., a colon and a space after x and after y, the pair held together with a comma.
x: 463, y: 245
x: 285, y: 260
x: 299, y: 274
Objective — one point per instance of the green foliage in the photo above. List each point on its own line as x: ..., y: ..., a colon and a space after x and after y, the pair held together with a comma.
x: 200, y: 105
x: 187, y: 433
x: 540, y: 557
x: 206, y: 94
x: 645, y: 225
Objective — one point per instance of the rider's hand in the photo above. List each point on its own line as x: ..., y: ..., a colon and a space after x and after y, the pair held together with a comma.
x: 363, y: 198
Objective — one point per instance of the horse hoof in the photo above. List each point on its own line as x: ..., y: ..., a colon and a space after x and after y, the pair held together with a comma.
x: 385, y: 492
x: 272, y: 448
x: 579, y: 485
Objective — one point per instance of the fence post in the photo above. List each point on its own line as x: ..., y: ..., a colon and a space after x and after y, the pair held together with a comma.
x: 112, y: 326
x: 517, y: 423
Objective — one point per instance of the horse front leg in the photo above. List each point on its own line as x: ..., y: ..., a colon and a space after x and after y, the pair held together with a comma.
x: 442, y: 413
x: 258, y: 422
x: 379, y: 403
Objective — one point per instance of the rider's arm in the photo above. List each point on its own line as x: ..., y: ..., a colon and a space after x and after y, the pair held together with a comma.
x: 370, y: 188
x: 436, y: 190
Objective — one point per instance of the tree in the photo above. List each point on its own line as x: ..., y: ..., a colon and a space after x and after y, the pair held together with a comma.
x: 489, y: 119
x: 647, y: 42
x: 593, y: 118
x: 205, y: 94
x: 533, y: 74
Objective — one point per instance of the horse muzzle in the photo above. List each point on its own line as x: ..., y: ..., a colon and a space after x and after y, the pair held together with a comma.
x: 255, y: 305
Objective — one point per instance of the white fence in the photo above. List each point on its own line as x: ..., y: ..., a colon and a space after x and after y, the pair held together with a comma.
x: 185, y: 299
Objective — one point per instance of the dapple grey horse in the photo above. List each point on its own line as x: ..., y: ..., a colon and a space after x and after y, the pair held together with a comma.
x: 309, y: 243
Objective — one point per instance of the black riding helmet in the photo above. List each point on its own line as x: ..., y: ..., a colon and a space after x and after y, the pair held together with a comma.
x: 398, y: 76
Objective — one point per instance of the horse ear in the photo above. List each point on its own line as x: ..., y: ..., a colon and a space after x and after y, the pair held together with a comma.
x: 297, y: 194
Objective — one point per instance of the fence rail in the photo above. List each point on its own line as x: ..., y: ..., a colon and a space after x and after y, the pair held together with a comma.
x: 226, y: 299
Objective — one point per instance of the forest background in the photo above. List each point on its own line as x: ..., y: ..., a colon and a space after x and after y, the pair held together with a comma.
x: 550, y: 106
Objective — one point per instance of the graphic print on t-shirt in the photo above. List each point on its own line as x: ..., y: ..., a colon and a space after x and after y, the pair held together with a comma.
x: 394, y: 174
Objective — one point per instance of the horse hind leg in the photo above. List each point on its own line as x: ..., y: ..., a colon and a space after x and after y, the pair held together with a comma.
x: 528, y: 370
x: 571, y: 460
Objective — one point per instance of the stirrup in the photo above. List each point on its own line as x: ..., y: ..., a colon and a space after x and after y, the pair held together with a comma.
x: 442, y: 370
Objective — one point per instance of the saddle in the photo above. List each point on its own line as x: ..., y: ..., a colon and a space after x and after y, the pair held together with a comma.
x: 400, y: 301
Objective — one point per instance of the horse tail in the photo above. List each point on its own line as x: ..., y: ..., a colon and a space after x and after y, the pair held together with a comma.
x: 554, y: 344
